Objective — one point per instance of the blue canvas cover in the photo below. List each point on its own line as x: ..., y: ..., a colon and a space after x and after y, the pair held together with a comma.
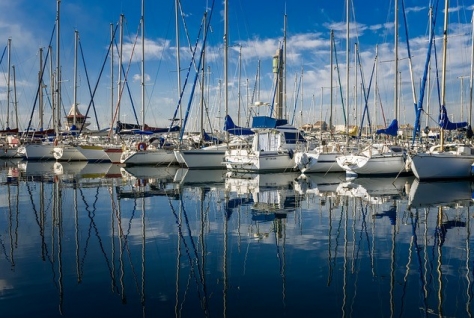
x: 230, y: 127
x: 267, y: 122
x: 391, y: 130
x: 446, y: 124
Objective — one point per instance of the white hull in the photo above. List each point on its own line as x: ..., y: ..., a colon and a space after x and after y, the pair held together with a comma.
x: 441, y: 166
x: 94, y: 153
x: 113, y: 153
x: 243, y: 160
x: 68, y: 153
x: 148, y: 157
x: 39, y: 151
x: 90, y: 153
x: 316, y: 162
x: 202, y: 158
x: 10, y: 152
x: 389, y: 164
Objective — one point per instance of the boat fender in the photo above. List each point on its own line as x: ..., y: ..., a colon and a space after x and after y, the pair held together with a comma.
x: 290, y: 153
x: 141, y: 146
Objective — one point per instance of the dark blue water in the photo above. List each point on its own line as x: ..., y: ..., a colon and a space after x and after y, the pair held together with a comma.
x: 93, y: 240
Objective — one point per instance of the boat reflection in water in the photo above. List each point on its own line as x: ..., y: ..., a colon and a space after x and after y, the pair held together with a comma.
x: 87, y: 241
x: 441, y: 193
x: 270, y: 195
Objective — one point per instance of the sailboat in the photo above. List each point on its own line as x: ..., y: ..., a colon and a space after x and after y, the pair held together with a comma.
x: 156, y: 151
x: 42, y: 148
x: 274, y: 142
x: 322, y: 158
x: 208, y: 156
x: 381, y: 158
x: 77, y: 148
x: 444, y: 161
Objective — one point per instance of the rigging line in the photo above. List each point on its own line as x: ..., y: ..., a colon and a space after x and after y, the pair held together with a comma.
x: 121, y: 88
x: 340, y: 85
x: 366, y: 94
x: 128, y: 89
x: 39, y: 83
x: 89, y: 86
x: 186, y: 80
x: 158, y: 68
x: 197, y: 73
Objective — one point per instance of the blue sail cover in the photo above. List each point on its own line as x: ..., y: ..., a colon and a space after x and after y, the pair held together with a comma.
x: 446, y: 124
x: 213, y: 139
x: 267, y: 122
x: 392, y: 129
x: 230, y: 127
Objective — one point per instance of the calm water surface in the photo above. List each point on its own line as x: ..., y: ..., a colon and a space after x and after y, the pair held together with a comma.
x: 98, y: 240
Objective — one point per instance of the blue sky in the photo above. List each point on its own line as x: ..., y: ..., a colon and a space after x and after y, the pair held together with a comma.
x: 255, y: 33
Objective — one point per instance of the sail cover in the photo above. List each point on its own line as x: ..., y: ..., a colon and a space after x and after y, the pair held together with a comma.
x: 392, y: 129
x: 446, y: 124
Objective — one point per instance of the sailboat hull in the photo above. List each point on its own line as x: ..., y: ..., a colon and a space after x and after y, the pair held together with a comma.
x: 148, y: 157
x: 317, y: 162
x: 267, y: 161
x: 202, y: 158
x: 39, y: 151
x: 428, y: 166
x: 383, y: 164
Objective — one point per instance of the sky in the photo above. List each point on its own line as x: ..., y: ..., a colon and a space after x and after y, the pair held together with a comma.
x: 256, y: 30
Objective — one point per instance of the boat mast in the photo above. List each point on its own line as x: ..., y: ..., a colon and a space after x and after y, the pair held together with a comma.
x: 41, y: 86
x: 396, y: 110
x: 347, y: 72
x: 15, y: 101
x: 58, y: 75
x: 143, y: 63
x: 374, y: 125
x: 178, y: 63
x: 119, y: 80
x: 472, y: 70
x: 283, y: 80
x: 443, y: 79
x: 331, y: 81
x: 226, y: 96
x: 8, y: 83
x: 429, y: 68
x: 76, y: 37
x: 111, y: 77
x: 203, y: 79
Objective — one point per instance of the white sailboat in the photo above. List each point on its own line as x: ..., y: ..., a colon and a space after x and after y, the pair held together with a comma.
x: 274, y: 141
x: 442, y: 161
x: 151, y: 153
x: 322, y: 159
x: 38, y: 149
x: 380, y: 159
x: 210, y: 156
x: 272, y: 149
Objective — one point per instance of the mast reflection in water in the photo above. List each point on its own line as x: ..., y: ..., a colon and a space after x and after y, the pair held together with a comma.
x: 100, y: 240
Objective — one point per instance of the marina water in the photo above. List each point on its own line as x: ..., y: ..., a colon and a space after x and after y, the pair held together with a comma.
x: 100, y: 240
